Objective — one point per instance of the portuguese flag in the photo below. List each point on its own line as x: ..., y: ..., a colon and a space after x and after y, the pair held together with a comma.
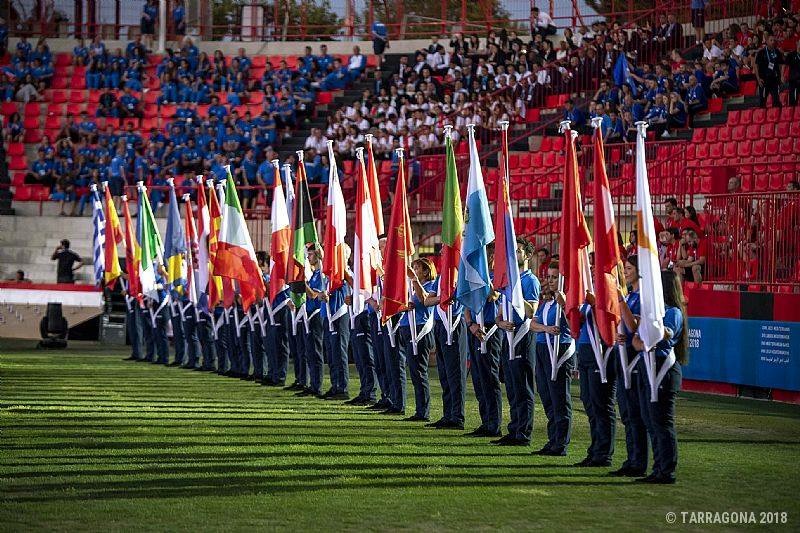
x: 304, y: 232
x: 452, y: 228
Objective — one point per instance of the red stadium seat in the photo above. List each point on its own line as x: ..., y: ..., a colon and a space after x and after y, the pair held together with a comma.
x: 702, y: 151
x: 711, y: 135
x: 782, y: 129
x: 558, y: 143
x: 761, y: 182
x: 715, y: 151
x: 8, y: 108
x: 768, y: 130
x: 525, y: 160
x: 690, y: 151
x: 699, y: 135
x: 729, y: 150
x: 759, y: 116
x: 746, y: 116
x: 58, y: 97
x: 513, y: 161
x: 744, y: 148
x: 532, y: 114
x: 33, y: 109
x: 724, y: 134
x: 739, y: 132
x: 17, y: 162
x: 748, y: 88
x: 53, y: 122
x: 60, y: 82
x: 31, y: 123
x: 773, y: 114
x: 759, y: 147
x: 794, y: 128
x: 733, y: 117
x: 785, y: 145
x: 549, y: 159
x: 74, y: 109
x: 536, y: 160
x: 15, y: 149
x: 547, y: 144
x: 22, y: 193
x: 40, y: 192
x: 753, y: 132
x: 63, y: 58
x: 775, y: 180
x: 714, y: 105
x: 772, y: 147
x: 33, y: 136
x: 78, y: 82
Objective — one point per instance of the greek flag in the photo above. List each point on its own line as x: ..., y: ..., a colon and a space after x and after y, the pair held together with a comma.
x: 98, y: 236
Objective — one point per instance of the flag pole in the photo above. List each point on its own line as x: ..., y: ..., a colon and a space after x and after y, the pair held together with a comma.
x: 448, y: 133
x: 479, y: 317
x: 564, y: 126
x: 507, y: 313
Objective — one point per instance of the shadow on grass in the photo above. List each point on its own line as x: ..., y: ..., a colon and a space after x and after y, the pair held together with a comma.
x: 240, y: 486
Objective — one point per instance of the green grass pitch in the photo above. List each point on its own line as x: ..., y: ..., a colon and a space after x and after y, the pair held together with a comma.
x: 90, y: 442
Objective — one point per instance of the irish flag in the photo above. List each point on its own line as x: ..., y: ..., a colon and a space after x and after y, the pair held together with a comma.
x: 113, y: 238
x: 151, y: 248
x: 334, y: 262
x: 236, y: 257
x: 281, y: 237
x: 399, y: 249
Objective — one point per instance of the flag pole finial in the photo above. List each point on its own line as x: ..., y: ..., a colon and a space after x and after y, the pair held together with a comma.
x: 367, y: 138
x: 124, y: 197
x: 564, y: 126
x: 597, y: 122
x: 448, y: 130
x: 503, y: 124
x: 286, y: 166
x: 300, y: 154
x: 186, y: 197
x: 276, y: 163
x: 641, y: 127
x: 140, y: 186
x: 171, y: 182
x: 210, y: 182
x: 399, y: 152
x: 359, y: 153
x: 93, y: 187
x: 199, y: 178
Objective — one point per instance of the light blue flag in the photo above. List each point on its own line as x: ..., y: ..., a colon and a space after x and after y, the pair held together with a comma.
x: 175, y: 245
x: 474, y: 284
x: 98, y: 236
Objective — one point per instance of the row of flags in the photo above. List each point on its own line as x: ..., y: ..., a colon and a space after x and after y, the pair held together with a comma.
x: 211, y: 255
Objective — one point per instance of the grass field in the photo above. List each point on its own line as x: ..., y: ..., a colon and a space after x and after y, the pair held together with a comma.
x: 90, y: 442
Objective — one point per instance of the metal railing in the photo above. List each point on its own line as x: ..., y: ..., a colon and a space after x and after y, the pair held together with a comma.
x: 753, y: 239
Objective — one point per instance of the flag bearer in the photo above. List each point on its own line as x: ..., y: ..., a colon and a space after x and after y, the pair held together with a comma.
x: 313, y: 338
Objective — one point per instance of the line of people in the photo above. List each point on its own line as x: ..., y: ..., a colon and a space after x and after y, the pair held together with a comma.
x: 538, y: 353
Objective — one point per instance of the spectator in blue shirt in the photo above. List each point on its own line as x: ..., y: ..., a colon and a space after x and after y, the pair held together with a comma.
x: 87, y: 128
x: 324, y: 60
x: 574, y: 115
x: 696, y: 97
x: 179, y: 18
x: 41, y: 172
x: 129, y: 105
x: 135, y: 48
x: 148, y: 22
x: 676, y: 113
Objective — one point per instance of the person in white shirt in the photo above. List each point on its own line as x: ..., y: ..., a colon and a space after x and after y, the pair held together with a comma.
x: 357, y: 63
x: 711, y: 50
x: 317, y: 141
x: 543, y: 23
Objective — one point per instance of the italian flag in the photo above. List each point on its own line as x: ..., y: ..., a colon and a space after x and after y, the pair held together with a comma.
x: 334, y: 262
x: 236, y: 257
x: 281, y: 239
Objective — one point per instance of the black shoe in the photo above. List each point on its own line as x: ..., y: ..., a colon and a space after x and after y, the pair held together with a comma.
x: 131, y: 358
x: 648, y: 479
x: 354, y: 401
x: 545, y: 450
x: 514, y: 442
x: 605, y: 463
x: 364, y: 402
x: 175, y: 363
x: 293, y: 386
x: 328, y: 393
x: 587, y: 461
x: 143, y: 361
x: 416, y: 418
x: 452, y: 425
x: 664, y: 480
x: 477, y: 432
x: 267, y: 382
x: 556, y: 453
x: 338, y: 396
x: 304, y: 392
x: 501, y: 440
x: 439, y: 423
x: 394, y: 411
x: 380, y: 406
x: 278, y: 384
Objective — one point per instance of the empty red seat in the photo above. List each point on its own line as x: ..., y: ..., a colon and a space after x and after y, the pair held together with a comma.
x: 772, y: 147
x: 547, y: 144
x: 759, y: 116
x: 524, y: 160
x: 711, y: 135
x: 768, y: 130
x: 714, y: 105
x: 558, y: 143
x: 690, y: 151
x: 744, y: 148
x: 794, y: 128
x: 52, y: 122
x: 775, y: 180
x: 60, y: 82
x: 782, y: 129
x: 22, y: 193
x: 78, y: 82
x: 739, y: 132
x: 785, y: 145
x: 733, y: 117
x: 513, y: 161
x: 58, y: 97
x: 699, y: 135
x: 702, y: 151
x: 773, y: 114
x: 31, y: 123
x: 33, y: 136
x: 15, y: 149
x: 724, y: 134
x: 748, y: 88
x: 746, y: 116
x: 761, y: 182
x: 759, y: 147
x: 549, y: 159
x: 753, y: 131
x: 729, y: 150
x: 17, y: 162
x: 715, y: 150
